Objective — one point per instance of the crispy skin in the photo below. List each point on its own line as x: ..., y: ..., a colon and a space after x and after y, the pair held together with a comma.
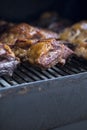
x: 77, y: 35
x: 25, y: 35
x: 8, y: 61
x: 48, y: 53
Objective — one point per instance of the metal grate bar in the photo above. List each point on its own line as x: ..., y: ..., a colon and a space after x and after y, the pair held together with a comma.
x: 31, y: 73
x: 4, y: 83
x: 18, y: 79
x: 9, y: 80
x: 22, y: 75
x: 25, y: 73
x: 52, y: 72
x: 60, y: 71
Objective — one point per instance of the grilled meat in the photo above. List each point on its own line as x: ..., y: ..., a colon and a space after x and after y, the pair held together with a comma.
x: 47, y: 53
x: 22, y: 39
x: 25, y: 35
x: 72, y: 33
x: 8, y: 61
x: 21, y: 53
x: 77, y: 35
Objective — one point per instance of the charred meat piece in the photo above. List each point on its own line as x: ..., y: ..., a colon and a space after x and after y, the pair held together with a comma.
x: 25, y: 35
x: 48, y: 53
x: 8, y: 61
x: 77, y: 35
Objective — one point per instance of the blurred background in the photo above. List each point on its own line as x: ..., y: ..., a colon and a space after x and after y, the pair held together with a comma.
x: 27, y: 10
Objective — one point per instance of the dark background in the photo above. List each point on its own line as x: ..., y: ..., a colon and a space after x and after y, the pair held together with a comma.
x: 27, y: 10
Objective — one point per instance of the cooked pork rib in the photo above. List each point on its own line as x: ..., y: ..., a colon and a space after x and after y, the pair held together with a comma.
x: 8, y: 61
x: 48, y: 53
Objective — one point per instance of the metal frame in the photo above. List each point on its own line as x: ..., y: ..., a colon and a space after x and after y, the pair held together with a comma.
x: 44, y: 105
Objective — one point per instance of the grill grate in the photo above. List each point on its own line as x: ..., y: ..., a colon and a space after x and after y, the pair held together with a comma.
x: 26, y: 74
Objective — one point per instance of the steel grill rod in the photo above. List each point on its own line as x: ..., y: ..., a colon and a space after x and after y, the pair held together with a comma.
x: 25, y: 73
x: 9, y: 80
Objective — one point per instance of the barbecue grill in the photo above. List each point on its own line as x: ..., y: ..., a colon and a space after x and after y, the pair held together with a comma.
x: 34, y: 99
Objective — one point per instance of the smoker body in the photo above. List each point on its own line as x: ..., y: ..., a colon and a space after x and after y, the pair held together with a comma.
x: 44, y: 105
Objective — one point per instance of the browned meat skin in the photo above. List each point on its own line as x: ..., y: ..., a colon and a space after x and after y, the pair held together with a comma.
x: 25, y: 34
x: 48, y: 53
x: 8, y: 61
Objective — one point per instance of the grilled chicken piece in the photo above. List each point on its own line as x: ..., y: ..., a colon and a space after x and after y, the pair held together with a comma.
x: 8, y: 61
x: 77, y: 35
x: 25, y: 35
x: 47, y: 53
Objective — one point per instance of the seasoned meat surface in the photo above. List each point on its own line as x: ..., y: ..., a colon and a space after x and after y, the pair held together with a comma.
x: 8, y: 61
x: 47, y: 53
